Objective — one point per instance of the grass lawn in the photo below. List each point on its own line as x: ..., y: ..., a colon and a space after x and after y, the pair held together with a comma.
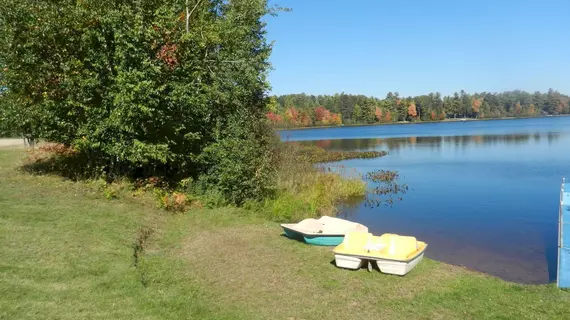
x: 67, y: 253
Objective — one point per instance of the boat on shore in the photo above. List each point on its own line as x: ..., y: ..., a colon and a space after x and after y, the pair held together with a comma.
x: 392, y: 253
x: 325, y: 231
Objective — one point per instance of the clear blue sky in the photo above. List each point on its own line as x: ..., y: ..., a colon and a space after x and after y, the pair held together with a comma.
x: 414, y: 47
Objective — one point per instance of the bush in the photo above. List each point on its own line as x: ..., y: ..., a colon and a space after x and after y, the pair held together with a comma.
x: 242, y: 165
x: 171, y: 201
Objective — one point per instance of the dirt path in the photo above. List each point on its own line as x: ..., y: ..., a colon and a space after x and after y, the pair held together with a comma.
x: 11, y: 142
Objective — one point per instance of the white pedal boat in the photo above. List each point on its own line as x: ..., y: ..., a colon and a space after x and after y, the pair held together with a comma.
x: 392, y: 253
x: 325, y: 231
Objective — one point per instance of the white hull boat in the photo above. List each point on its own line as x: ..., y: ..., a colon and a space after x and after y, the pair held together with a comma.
x: 393, y: 254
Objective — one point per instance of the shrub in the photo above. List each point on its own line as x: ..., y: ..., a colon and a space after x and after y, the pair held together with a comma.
x: 242, y: 165
x: 111, y: 191
x: 174, y: 201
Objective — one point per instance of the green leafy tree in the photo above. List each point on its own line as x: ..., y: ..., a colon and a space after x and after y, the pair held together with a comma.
x: 369, y: 114
x: 149, y: 87
x: 518, y: 109
x: 466, y: 106
x: 357, y: 114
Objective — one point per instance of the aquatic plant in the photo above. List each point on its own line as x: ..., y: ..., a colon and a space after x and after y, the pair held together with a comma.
x: 382, y: 176
x: 315, y: 154
x: 386, y: 189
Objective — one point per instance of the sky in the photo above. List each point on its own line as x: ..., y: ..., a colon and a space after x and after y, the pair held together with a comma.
x: 415, y: 47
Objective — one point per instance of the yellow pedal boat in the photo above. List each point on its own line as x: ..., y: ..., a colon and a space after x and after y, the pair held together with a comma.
x: 392, y: 253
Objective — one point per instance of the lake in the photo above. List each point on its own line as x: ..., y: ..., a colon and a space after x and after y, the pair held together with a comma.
x: 483, y: 194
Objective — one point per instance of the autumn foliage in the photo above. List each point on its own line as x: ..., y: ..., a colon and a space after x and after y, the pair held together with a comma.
x: 274, y: 118
x: 388, y: 116
x: 321, y: 114
x: 306, y: 119
x: 302, y: 110
x: 335, y: 119
x: 291, y: 114
x: 412, y: 111
x: 295, y: 118
x: 378, y: 114
x: 168, y: 55
x: 433, y: 116
x: 476, y: 105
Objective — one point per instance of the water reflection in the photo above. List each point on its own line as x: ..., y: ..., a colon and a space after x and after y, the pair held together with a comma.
x: 435, y: 142
x: 483, y: 195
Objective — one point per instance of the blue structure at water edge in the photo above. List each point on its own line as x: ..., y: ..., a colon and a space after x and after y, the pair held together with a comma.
x: 563, y: 279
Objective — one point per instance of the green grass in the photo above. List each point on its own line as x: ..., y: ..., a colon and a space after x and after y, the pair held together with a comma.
x: 67, y: 253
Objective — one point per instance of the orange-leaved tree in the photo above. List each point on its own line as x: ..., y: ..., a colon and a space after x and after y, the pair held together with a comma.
x: 476, y: 105
x: 306, y: 119
x: 335, y: 119
x: 292, y: 115
x: 388, y: 116
x: 378, y: 114
x: 412, y: 111
x: 275, y: 119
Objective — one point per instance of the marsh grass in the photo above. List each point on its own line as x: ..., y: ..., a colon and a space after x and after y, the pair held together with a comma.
x: 306, y: 190
x: 315, y: 154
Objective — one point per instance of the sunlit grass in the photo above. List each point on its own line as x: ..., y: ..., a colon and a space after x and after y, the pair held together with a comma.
x: 305, y: 190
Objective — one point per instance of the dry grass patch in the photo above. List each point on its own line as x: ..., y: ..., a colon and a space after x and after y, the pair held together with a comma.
x: 253, y: 266
x: 239, y: 267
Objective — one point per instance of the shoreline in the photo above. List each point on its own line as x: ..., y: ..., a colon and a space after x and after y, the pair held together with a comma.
x: 400, y: 123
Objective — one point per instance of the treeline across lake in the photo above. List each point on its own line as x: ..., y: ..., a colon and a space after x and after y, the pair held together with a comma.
x: 302, y: 110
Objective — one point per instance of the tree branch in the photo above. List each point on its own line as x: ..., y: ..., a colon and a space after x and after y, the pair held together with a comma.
x: 188, y: 14
x: 187, y: 17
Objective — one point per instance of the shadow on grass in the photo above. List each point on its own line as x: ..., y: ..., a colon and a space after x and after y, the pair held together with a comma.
x: 55, y: 159
x: 72, y: 167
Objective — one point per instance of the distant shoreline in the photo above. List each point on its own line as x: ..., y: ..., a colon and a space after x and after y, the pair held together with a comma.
x: 419, y: 122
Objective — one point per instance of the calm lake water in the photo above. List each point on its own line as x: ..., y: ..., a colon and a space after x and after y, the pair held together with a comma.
x: 483, y: 194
